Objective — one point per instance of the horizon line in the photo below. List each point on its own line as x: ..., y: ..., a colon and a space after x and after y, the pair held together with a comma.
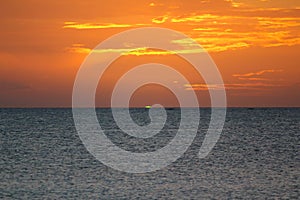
x: 133, y: 107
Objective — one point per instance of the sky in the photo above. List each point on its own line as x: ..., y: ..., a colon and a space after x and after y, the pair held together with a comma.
x: 254, y: 43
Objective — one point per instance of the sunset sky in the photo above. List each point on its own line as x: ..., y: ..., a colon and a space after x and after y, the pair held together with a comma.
x: 254, y: 43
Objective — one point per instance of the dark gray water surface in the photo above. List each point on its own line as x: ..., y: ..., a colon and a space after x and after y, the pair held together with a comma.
x: 257, y: 157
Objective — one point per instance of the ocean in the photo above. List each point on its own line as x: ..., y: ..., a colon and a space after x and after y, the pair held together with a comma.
x: 256, y: 157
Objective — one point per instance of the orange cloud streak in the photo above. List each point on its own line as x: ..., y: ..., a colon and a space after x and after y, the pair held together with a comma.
x: 232, y: 86
x: 159, y: 20
x: 257, y: 73
x: 75, y: 25
x: 80, y: 48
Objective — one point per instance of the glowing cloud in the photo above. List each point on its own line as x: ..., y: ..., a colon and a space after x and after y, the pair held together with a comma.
x: 257, y: 73
x: 155, y: 4
x: 231, y: 86
x: 75, y: 25
x: 159, y: 20
x: 142, y: 51
x: 229, y: 32
x: 78, y: 48
x: 200, y: 86
x: 195, y: 18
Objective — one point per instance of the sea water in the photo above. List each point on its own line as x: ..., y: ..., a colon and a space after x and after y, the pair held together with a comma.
x: 256, y: 157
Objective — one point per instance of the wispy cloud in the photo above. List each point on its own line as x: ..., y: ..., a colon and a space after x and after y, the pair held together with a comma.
x: 195, y: 18
x: 78, y: 48
x: 218, y: 32
x: 256, y: 83
x: 76, y: 25
x: 212, y: 44
x: 160, y: 20
x: 255, y: 76
x: 146, y: 51
x: 215, y: 41
x: 155, y: 4
x: 201, y: 86
x: 231, y: 86
x: 185, y: 43
x: 141, y: 51
x: 250, y: 81
x: 207, y: 29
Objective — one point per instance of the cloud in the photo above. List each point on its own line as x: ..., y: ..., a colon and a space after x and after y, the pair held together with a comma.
x: 215, y: 41
x: 186, y: 43
x: 80, y: 48
x: 160, y: 20
x: 236, y: 5
x: 75, y: 25
x: 231, y: 86
x: 155, y: 4
x: 241, y: 86
x: 256, y: 82
x: 200, y: 86
x: 238, y: 26
x: 253, y: 79
x: 212, y: 44
x: 206, y: 29
x: 146, y: 51
x: 243, y: 28
x: 195, y: 18
x: 254, y: 76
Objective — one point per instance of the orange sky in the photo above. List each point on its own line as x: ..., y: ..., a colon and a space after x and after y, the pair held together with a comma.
x: 255, y: 44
